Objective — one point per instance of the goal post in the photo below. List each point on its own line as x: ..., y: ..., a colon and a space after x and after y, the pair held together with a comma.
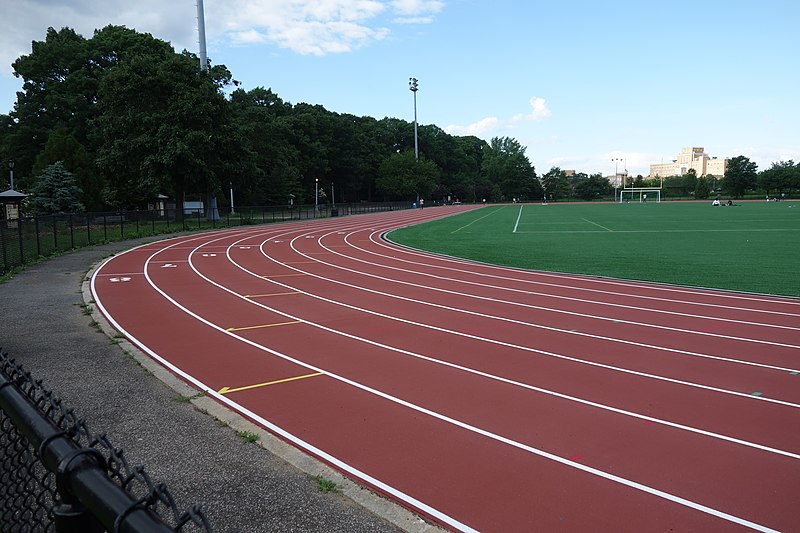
x: 639, y: 194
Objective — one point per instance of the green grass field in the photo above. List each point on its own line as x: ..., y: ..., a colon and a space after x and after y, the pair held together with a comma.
x: 754, y: 246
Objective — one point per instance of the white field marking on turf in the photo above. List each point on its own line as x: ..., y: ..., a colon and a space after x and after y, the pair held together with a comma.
x: 592, y: 279
x: 346, y: 467
x: 518, y: 217
x: 477, y: 219
x: 600, y: 280
x: 273, y: 428
x: 594, y: 223
x: 667, y: 230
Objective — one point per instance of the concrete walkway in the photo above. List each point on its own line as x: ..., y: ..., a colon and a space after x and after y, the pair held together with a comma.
x: 192, y: 446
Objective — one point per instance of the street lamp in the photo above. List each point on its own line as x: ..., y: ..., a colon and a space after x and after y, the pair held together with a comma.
x: 316, y: 196
x: 11, y: 172
x: 413, y: 86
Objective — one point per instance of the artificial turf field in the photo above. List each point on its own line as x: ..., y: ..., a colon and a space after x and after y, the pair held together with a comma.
x: 751, y: 246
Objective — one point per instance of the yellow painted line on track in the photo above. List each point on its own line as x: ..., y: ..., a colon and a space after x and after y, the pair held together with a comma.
x: 476, y: 220
x: 265, y: 326
x: 228, y: 390
x: 272, y: 294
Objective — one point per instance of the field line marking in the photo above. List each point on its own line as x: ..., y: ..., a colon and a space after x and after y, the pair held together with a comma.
x: 598, y: 225
x: 515, y: 225
x: 476, y: 220
x: 228, y: 390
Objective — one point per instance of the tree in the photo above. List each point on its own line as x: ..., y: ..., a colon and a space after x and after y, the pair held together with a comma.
x: 62, y: 146
x: 702, y: 188
x: 402, y: 176
x: 782, y: 176
x: 593, y: 187
x: 556, y: 184
x: 739, y: 176
x: 506, y: 166
x: 56, y: 192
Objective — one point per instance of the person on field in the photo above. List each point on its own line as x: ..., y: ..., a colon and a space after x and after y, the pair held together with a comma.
x: 421, y: 203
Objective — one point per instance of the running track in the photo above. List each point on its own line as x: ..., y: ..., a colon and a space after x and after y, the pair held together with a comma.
x: 482, y: 397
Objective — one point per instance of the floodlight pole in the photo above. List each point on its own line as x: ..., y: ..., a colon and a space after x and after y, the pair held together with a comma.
x: 413, y: 86
x: 616, y: 161
x: 201, y: 33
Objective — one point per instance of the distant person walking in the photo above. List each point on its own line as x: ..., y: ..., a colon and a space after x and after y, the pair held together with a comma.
x: 421, y: 203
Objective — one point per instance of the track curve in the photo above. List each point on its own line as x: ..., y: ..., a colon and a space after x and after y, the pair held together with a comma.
x: 482, y: 397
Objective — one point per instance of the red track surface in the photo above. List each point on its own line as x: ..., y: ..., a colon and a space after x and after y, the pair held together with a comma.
x: 482, y: 397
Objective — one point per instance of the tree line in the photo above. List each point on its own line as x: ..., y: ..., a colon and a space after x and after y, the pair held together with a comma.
x: 127, y: 118
x: 113, y: 121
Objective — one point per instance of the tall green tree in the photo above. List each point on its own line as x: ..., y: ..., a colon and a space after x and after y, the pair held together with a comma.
x: 505, y: 165
x: 556, y: 184
x: 593, y: 187
x: 402, y: 177
x: 781, y: 177
x: 56, y: 192
x: 740, y: 176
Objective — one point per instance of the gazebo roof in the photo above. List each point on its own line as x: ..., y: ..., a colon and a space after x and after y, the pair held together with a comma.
x: 11, y: 195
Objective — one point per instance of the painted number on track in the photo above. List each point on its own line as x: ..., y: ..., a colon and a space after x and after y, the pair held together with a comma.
x: 119, y: 280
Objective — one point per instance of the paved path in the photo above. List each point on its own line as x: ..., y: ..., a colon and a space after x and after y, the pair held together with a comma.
x: 192, y: 447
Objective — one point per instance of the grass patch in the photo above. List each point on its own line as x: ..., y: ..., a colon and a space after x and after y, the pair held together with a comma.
x: 186, y: 399
x: 749, y: 247
x: 248, y: 436
x: 325, y: 485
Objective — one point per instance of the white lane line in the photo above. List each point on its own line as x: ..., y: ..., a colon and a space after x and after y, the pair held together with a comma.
x: 518, y: 217
x: 476, y: 220
x: 563, y: 311
x: 595, y: 279
x: 382, y: 242
x: 446, y: 519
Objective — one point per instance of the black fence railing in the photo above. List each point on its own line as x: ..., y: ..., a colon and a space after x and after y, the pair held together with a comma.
x: 26, y: 240
x: 56, y: 476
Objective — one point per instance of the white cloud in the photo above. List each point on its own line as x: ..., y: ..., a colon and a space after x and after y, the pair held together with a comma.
x: 304, y: 26
x: 489, y: 125
x: 478, y: 128
x: 540, y: 112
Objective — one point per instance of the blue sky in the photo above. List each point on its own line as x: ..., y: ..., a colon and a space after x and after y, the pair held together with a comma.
x: 577, y: 82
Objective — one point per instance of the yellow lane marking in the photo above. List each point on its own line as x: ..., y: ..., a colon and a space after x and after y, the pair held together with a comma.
x: 228, y: 390
x: 477, y: 219
x: 264, y: 326
x: 283, y: 276
x: 273, y: 294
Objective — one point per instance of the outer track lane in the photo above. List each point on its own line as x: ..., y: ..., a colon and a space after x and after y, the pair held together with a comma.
x: 407, y: 447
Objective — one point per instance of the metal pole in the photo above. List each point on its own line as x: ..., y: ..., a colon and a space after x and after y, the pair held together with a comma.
x: 231, y: 183
x: 413, y: 86
x: 11, y: 173
x: 201, y: 32
x: 316, y: 196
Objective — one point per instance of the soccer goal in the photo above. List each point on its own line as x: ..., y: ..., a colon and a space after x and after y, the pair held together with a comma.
x: 641, y: 195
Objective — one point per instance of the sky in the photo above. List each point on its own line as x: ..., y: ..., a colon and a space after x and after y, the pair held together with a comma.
x: 579, y: 83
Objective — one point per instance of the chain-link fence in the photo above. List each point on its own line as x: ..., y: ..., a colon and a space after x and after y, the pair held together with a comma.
x: 27, y: 239
x: 57, y: 476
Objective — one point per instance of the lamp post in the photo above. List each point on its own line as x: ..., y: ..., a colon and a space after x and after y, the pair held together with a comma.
x: 413, y: 86
x: 316, y: 196
x: 11, y: 172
